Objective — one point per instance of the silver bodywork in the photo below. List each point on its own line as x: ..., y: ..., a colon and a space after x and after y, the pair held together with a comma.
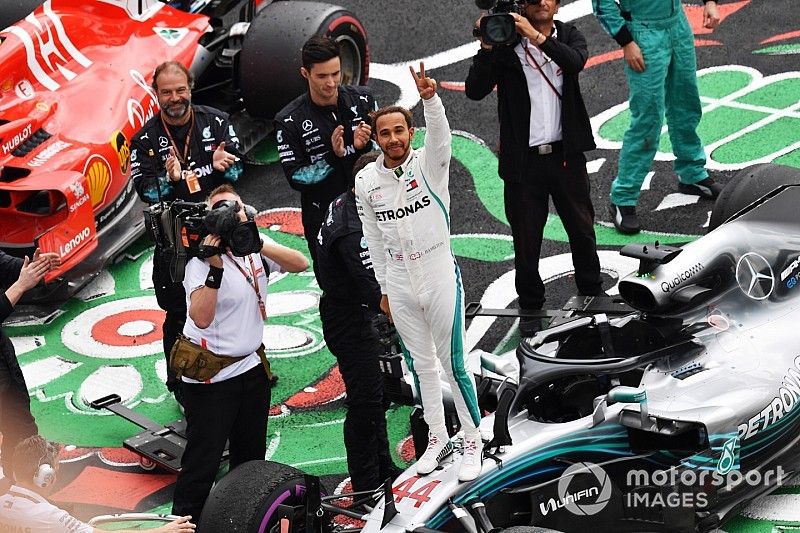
x: 731, y: 298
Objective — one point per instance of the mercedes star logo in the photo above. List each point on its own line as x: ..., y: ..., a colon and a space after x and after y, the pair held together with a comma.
x: 755, y: 276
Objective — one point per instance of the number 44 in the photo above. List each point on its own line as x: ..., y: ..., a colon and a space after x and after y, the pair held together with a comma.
x: 421, y: 495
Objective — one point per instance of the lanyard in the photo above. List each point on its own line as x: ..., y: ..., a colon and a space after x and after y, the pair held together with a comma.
x: 252, y: 281
x: 539, y: 68
x: 182, y: 157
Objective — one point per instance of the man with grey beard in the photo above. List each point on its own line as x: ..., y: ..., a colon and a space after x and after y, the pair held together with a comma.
x: 182, y: 153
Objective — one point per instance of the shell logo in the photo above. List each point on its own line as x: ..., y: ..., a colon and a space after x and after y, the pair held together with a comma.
x: 98, y: 176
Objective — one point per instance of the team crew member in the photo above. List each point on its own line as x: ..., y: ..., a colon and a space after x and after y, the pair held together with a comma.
x: 182, y: 153
x: 351, y: 298
x: 25, y: 508
x: 404, y: 207
x: 16, y: 421
x: 660, y: 66
x: 226, y: 301
x: 321, y: 133
x: 544, y: 130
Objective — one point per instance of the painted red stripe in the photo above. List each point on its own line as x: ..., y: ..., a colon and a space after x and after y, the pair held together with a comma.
x: 781, y: 37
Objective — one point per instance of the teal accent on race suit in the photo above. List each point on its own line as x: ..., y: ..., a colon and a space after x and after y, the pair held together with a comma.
x: 667, y: 87
x: 312, y: 174
x: 410, y: 363
x: 465, y: 384
x: 460, y: 373
x: 234, y: 172
x: 167, y: 192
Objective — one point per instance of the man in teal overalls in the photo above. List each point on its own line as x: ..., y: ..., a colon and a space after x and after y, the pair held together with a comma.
x: 661, y: 66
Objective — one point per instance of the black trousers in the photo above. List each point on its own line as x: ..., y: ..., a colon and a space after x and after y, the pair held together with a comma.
x: 171, y: 298
x: 350, y: 338
x: 16, y: 421
x: 234, y: 410
x: 527, y: 207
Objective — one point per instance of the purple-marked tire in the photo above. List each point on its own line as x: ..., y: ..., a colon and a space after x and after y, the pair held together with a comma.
x: 528, y: 529
x: 747, y: 186
x: 269, y: 67
x: 246, y: 500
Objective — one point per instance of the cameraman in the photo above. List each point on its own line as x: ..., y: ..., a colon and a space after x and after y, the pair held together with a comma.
x: 351, y: 298
x: 180, y: 154
x: 544, y: 130
x: 226, y: 300
x: 25, y: 508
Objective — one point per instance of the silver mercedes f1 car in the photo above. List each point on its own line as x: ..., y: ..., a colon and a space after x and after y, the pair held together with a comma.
x: 663, y: 414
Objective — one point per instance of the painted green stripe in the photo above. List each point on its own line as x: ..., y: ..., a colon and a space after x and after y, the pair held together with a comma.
x: 465, y: 384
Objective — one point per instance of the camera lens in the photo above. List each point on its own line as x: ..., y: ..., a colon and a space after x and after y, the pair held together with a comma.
x: 244, y: 239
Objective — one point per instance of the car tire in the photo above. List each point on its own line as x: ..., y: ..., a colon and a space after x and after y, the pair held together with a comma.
x: 244, y: 500
x: 269, y: 66
x: 747, y: 186
x: 529, y: 529
x: 15, y: 10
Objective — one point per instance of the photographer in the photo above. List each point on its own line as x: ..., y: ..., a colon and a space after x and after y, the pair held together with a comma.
x: 16, y: 421
x: 25, y: 508
x: 182, y: 153
x: 351, y: 298
x: 544, y: 130
x: 220, y: 357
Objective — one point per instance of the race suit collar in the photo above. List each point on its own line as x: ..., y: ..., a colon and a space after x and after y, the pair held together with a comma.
x: 397, y: 172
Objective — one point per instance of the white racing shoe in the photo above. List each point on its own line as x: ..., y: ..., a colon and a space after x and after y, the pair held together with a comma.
x: 439, y: 447
x: 473, y: 458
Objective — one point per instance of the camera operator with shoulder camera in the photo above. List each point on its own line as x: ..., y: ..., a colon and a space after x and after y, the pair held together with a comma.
x: 182, y: 153
x: 220, y: 357
x: 351, y: 298
x: 544, y: 130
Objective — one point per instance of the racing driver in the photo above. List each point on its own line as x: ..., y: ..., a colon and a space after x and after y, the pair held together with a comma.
x: 404, y: 204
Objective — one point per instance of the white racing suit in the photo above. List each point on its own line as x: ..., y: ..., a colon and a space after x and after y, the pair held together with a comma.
x: 406, y: 221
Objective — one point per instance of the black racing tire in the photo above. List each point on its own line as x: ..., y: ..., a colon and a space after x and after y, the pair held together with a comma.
x: 269, y: 66
x: 528, y: 529
x: 16, y: 10
x: 747, y: 186
x: 248, y: 496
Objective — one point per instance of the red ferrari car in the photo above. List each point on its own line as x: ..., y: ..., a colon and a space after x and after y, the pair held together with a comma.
x: 75, y: 86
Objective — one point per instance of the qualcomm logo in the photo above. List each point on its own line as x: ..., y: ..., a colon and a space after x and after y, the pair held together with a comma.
x: 754, y: 276
x: 585, y: 502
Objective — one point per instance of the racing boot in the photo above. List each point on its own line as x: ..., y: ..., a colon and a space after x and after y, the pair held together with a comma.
x: 439, y: 447
x: 707, y: 188
x: 473, y: 457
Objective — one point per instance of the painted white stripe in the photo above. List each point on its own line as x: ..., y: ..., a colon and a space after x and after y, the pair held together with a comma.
x: 102, y: 285
x: 647, y: 179
x: 319, y: 461
x: 594, y: 166
x: 290, y: 341
x: 321, y: 424
x: 123, y: 380
x: 292, y: 302
x: 42, y: 372
x: 23, y: 345
x: 146, y: 274
x: 677, y: 199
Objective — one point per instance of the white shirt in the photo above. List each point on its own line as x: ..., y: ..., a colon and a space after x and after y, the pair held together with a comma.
x: 545, y: 121
x: 24, y: 511
x: 238, y: 327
